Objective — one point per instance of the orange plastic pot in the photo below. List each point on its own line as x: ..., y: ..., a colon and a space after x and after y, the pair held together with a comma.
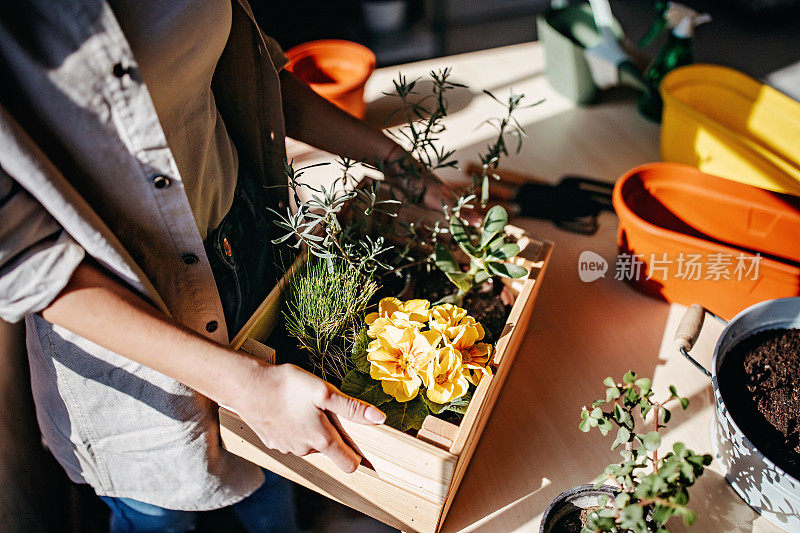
x: 673, y: 217
x: 336, y: 70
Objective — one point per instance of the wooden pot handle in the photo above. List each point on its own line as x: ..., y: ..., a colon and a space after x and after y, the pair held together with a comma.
x: 688, y: 332
x: 689, y: 327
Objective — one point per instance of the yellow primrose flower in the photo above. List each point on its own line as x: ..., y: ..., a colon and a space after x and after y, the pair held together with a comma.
x: 475, y: 361
x: 450, y: 320
x: 445, y: 317
x: 444, y: 379
x: 474, y: 355
x: 393, y: 312
x: 398, y: 357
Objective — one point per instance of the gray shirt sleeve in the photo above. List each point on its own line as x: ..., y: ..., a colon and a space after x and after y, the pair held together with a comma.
x: 37, y: 256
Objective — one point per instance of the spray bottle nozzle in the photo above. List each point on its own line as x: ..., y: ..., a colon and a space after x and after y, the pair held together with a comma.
x: 683, y: 20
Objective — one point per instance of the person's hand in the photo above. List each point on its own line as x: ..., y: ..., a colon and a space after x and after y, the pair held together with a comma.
x: 289, y: 410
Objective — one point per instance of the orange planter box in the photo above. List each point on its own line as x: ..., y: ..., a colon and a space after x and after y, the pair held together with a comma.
x: 405, y: 481
x: 670, y: 213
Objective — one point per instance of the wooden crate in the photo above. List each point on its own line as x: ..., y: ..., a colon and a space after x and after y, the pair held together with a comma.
x: 406, y: 481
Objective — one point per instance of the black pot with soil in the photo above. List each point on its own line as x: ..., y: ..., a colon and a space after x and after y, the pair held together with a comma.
x: 569, y: 511
x: 760, y: 382
x: 755, y: 372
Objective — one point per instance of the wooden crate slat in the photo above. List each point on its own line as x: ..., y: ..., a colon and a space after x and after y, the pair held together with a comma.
x: 471, y: 442
x: 437, y: 432
x: 394, y: 506
x: 264, y: 319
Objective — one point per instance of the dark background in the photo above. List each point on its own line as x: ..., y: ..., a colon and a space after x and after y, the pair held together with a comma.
x: 755, y: 36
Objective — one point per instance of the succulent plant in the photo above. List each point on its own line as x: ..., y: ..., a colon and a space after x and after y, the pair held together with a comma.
x: 651, y: 488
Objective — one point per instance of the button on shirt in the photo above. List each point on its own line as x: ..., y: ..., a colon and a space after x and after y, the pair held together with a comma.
x: 86, y: 170
x: 177, y: 46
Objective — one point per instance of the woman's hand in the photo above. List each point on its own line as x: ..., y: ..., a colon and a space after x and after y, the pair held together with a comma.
x: 290, y: 409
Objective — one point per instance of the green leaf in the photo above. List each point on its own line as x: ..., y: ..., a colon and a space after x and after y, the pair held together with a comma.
x: 444, y: 259
x: 459, y: 405
x: 644, y: 384
x: 631, y: 515
x: 584, y: 425
x: 684, y: 403
x: 434, y: 407
x: 665, y: 415
x: 481, y: 276
x: 596, y: 413
x: 602, y: 500
x: 681, y: 498
x: 609, y: 382
x: 462, y: 280
x: 506, y: 251
x: 605, y: 426
x: 359, y: 354
x: 494, y: 222
x: 652, y: 441
x: 629, y: 377
x: 623, y: 436
x: 405, y: 416
x: 662, y: 514
x: 460, y: 235
x: 361, y: 386
x: 688, y: 515
x: 506, y: 270
x: 680, y: 449
x: 612, y: 393
x: 673, y: 392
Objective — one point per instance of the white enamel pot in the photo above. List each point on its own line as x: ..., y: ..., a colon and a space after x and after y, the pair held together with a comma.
x: 763, y: 485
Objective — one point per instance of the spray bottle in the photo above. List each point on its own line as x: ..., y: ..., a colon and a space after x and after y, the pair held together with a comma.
x: 659, y: 25
x: 677, y: 52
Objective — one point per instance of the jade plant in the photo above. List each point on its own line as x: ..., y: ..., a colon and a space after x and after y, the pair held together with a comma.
x: 486, y: 247
x: 651, y: 486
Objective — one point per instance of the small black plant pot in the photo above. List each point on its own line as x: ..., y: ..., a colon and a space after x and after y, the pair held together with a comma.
x: 563, y: 515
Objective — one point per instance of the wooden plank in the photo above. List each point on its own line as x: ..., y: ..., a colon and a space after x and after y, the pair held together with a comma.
x: 437, y: 432
x: 468, y: 447
x: 363, y: 490
x: 533, y: 257
x: 397, y: 458
x: 259, y: 351
x: 264, y: 319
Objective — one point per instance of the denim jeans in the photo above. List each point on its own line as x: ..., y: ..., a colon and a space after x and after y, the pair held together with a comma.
x: 243, y: 263
x: 270, y: 509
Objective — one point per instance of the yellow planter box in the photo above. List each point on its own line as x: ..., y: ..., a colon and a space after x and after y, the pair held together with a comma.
x: 730, y: 125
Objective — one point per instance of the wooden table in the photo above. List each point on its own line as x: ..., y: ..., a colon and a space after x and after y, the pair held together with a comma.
x: 532, y: 449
